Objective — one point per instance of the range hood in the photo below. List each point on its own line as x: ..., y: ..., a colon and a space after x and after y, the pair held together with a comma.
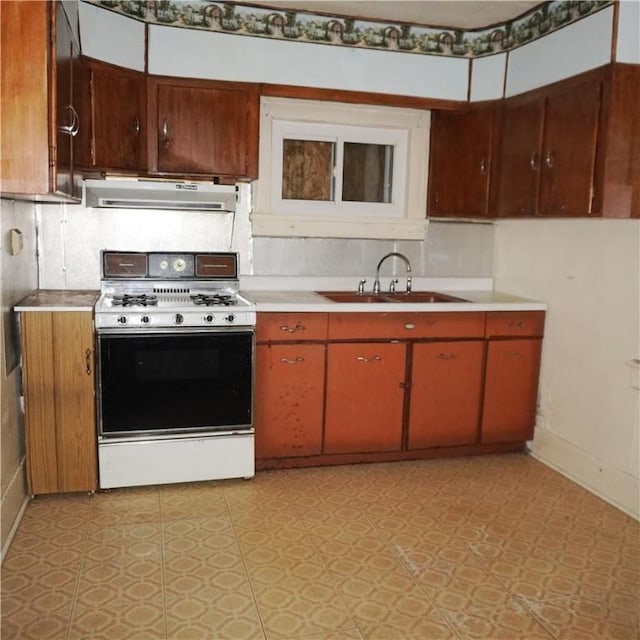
x: 159, y: 194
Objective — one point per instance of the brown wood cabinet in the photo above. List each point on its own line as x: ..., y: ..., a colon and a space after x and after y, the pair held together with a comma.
x: 289, y: 393
x: 461, y: 161
x: 203, y: 128
x: 511, y: 378
x: 38, y: 110
x: 59, y: 392
x: 548, y: 150
x: 114, y: 101
x: 446, y: 393
x: 365, y: 396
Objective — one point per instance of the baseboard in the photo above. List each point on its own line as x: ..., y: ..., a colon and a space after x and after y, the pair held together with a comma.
x: 12, y: 507
x: 620, y: 489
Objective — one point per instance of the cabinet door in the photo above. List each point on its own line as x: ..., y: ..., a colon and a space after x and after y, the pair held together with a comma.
x: 65, y: 119
x: 289, y: 396
x: 569, y: 150
x: 511, y: 388
x: 118, y: 110
x: 203, y: 130
x: 365, y: 397
x: 446, y: 393
x: 519, y: 158
x: 59, y: 401
x: 460, y: 162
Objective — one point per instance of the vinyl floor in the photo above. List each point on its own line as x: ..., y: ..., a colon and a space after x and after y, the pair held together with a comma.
x: 489, y: 547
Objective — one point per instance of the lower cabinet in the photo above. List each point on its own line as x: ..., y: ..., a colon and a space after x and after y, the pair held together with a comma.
x: 59, y: 393
x: 446, y: 393
x: 365, y: 396
x: 350, y: 387
x: 511, y: 390
x: 289, y: 400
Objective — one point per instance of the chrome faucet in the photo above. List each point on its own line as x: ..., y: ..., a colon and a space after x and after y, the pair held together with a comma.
x: 394, y: 254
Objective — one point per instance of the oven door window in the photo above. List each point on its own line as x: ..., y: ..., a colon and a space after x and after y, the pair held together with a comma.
x: 175, y: 383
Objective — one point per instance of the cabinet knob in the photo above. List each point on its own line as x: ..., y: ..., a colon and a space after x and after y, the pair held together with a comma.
x: 164, y: 134
x: 534, y: 161
x: 136, y: 126
x: 72, y: 128
x: 483, y: 166
x: 550, y: 159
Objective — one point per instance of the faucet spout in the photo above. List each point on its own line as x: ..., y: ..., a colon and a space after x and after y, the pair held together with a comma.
x: 393, y: 254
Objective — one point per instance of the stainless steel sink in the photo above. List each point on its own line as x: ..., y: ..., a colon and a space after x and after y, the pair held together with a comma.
x: 412, y: 296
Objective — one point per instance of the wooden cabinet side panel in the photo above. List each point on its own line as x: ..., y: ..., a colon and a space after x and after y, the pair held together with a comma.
x: 511, y: 388
x: 39, y: 396
x: 24, y: 42
x: 446, y: 391
x: 289, y: 398
x: 365, y: 397
x: 75, y: 400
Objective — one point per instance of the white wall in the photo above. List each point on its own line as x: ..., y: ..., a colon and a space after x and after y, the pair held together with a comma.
x: 581, y: 46
x: 18, y: 277
x: 588, y: 272
x: 221, y: 56
x: 628, y: 43
x: 487, y: 77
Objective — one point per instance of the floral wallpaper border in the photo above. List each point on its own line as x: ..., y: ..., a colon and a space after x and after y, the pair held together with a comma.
x: 256, y: 20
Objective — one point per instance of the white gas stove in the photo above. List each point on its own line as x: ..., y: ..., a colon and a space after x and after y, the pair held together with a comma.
x: 164, y: 290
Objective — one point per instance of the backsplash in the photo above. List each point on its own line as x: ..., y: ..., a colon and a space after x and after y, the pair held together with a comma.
x: 70, y: 238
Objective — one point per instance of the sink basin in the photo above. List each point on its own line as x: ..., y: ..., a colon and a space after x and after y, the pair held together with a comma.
x: 413, y: 296
x: 348, y: 296
x: 423, y: 296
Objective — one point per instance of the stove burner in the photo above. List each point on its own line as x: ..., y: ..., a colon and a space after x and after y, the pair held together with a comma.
x: 132, y: 300
x: 213, y: 299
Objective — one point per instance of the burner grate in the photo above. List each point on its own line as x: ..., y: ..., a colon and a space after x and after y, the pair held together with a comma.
x: 134, y: 300
x: 213, y: 299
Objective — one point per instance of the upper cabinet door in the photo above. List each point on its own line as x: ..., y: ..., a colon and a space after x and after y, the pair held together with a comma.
x: 460, y: 162
x: 519, y: 161
x: 118, y: 118
x: 569, y: 150
x: 204, y: 130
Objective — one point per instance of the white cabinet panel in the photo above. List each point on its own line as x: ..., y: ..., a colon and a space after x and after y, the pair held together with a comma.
x: 628, y: 45
x: 579, y: 47
x: 487, y: 77
x: 111, y: 37
x: 219, y: 56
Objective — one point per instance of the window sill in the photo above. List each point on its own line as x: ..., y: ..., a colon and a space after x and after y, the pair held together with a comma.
x: 268, y: 224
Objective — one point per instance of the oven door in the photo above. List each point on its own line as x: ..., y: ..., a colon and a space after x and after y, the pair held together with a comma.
x: 175, y: 383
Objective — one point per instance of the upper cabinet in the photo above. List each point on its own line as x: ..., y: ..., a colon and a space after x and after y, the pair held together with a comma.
x: 203, y: 128
x: 39, y: 117
x: 114, y: 100
x: 570, y: 149
x: 548, y: 151
x: 461, y: 161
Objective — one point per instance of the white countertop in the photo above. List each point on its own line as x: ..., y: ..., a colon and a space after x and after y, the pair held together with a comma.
x: 476, y: 291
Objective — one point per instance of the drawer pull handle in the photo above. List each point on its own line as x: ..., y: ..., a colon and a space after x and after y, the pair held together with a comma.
x: 295, y: 360
x: 87, y: 359
x: 369, y: 359
x: 447, y: 356
x: 288, y: 329
x: 513, y: 354
x: 409, y: 325
x: 516, y: 325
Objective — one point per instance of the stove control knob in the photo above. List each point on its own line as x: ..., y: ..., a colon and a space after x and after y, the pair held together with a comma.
x: 178, y: 318
x: 122, y: 319
x: 144, y: 319
x: 230, y: 317
x: 208, y: 319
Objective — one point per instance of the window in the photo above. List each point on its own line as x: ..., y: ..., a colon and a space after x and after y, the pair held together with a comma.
x: 341, y: 170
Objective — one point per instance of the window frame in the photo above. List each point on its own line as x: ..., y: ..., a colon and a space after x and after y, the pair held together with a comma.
x: 408, y: 129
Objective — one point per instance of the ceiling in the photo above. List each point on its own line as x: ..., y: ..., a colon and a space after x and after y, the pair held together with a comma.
x: 465, y: 14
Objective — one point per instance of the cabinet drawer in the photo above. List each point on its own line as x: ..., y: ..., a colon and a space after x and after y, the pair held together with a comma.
x: 278, y: 327
x: 515, y: 323
x: 406, y: 326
